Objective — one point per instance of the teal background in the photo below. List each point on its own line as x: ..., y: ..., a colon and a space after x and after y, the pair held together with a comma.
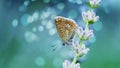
x: 26, y: 45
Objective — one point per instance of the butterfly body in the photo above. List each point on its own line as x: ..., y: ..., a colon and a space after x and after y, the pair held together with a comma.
x: 66, y: 28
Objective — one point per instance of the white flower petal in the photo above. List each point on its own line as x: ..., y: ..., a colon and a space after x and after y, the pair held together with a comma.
x: 96, y: 18
x: 66, y: 64
x: 98, y: 1
x: 89, y: 15
x: 77, y: 65
x: 89, y: 33
x: 83, y: 47
x: 95, y: 2
x: 85, y: 51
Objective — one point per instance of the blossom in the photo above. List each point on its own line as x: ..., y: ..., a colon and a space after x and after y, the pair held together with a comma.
x: 84, y: 34
x: 80, y: 50
x: 89, y: 17
x: 94, y: 3
x: 67, y: 64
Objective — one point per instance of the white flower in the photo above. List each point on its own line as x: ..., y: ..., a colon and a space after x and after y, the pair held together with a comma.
x: 80, y: 32
x: 89, y: 17
x: 77, y: 65
x: 80, y: 50
x: 88, y: 33
x: 67, y: 64
x: 84, y: 34
x: 95, y: 2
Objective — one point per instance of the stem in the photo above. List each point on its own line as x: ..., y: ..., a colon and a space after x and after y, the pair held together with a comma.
x: 75, y: 60
x: 77, y: 55
x: 91, y: 9
x: 86, y: 27
x: 81, y: 44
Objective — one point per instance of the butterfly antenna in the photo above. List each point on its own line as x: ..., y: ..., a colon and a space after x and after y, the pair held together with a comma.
x: 53, y: 45
x: 56, y: 46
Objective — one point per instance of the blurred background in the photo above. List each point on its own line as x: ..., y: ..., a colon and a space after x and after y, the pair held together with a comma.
x: 27, y: 32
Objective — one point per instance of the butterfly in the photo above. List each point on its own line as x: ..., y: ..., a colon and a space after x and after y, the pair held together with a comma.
x: 66, y: 29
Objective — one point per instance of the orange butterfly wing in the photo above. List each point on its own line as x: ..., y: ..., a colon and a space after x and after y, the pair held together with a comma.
x: 66, y: 28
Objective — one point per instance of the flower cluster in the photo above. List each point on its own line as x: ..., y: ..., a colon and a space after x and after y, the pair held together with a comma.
x: 94, y: 3
x: 80, y: 50
x: 89, y: 17
x: 67, y: 64
x: 84, y: 34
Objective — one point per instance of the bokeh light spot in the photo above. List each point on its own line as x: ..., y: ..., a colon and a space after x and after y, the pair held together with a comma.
x: 61, y: 6
x: 22, y: 8
x: 92, y: 39
x: 43, y: 22
x: 26, y: 2
x: 52, y: 31
x: 49, y: 25
x: 46, y: 1
x: 24, y: 19
x: 15, y: 23
x: 72, y: 1
x: 57, y: 62
x: 34, y: 29
x: 35, y: 15
x: 33, y: 0
x: 30, y: 19
x: 40, y: 28
x: 40, y: 61
x: 44, y: 15
x: 97, y: 26
x: 72, y: 14
x: 30, y: 37
x: 79, y: 1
